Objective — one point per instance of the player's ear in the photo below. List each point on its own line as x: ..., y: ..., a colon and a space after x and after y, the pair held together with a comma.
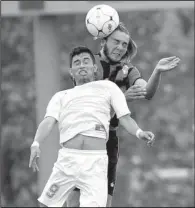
x: 72, y: 77
x: 70, y: 72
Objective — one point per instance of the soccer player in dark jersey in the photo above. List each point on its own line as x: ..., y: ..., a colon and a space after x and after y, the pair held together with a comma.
x: 114, y: 63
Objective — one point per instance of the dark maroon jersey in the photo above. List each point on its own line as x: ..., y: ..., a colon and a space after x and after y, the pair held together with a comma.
x: 115, y: 73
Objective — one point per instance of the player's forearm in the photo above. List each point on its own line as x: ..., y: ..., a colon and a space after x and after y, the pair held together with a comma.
x: 44, y: 129
x: 129, y: 124
x: 153, y: 84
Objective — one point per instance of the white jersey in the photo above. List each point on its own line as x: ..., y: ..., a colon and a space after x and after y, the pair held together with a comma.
x: 80, y: 109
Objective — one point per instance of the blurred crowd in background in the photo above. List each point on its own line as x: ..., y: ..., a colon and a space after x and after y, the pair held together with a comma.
x: 159, y: 176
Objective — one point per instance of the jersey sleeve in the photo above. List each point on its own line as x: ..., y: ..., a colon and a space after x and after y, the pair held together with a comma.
x: 118, y: 100
x: 133, y: 75
x: 54, y: 107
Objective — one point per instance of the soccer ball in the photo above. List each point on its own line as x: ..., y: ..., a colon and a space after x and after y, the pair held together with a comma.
x: 101, y: 20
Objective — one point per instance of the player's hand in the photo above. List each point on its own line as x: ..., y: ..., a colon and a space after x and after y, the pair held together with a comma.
x: 166, y: 64
x: 34, y: 155
x: 135, y: 92
x: 147, y: 136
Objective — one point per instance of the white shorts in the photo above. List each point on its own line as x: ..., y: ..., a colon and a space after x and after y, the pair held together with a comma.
x: 84, y: 169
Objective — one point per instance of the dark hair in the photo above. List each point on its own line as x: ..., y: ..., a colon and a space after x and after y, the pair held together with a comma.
x: 78, y: 50
x: 132, y: 47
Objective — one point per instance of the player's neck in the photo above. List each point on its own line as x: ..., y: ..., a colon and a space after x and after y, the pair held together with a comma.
x: 82, y: 83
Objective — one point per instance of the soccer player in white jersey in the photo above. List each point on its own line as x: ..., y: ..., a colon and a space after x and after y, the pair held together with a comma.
x: 83, y: 115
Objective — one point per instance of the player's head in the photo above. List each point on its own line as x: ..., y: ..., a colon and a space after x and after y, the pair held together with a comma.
x: 82, y: 65
x: 119, y: 45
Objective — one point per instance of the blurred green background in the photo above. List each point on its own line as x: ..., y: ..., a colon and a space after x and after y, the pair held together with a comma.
x: 161, y: 176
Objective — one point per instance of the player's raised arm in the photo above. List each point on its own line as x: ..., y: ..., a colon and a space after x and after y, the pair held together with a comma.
x: 164, y: 65
x: 119, y: 105
x: 44, y: 129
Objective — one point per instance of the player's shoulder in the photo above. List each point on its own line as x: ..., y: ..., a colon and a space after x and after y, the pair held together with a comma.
x: 61, y: 93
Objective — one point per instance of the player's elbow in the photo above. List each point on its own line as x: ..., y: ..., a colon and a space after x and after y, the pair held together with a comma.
x: 149, y: 96
x: 124, y: 119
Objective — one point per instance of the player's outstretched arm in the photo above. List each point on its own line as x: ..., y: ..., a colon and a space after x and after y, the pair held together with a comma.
x: 131, y: 126
x: 119, y: 104
x: 43, y: 131
x: 165, y: 64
